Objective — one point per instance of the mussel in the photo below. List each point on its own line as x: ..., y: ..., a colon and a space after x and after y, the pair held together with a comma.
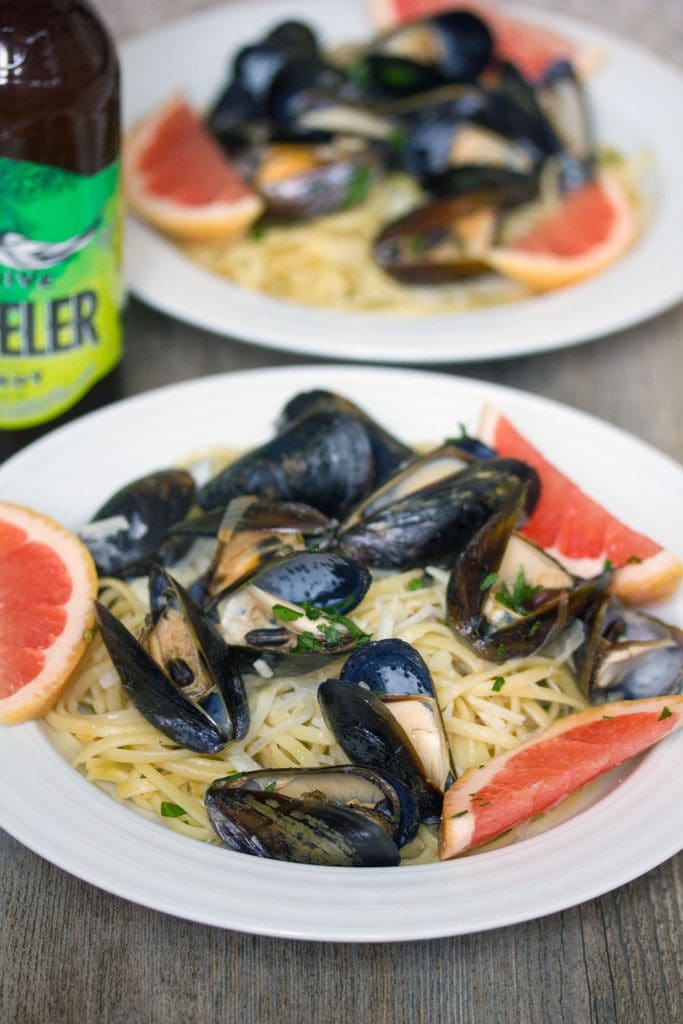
x: 388, y: 452
x: 254, y: 531
x: 302, y: 830
x: 565, y: 104
x: 397, y: 673
x: 325, y: 461
x: 450, y: 47
x: 631, y: 655
x: 359, y: 789
x: 506, y: 597
x: 182, y: 677
x: 372, y: 737
x: 294, y: 613
x: 433, y: 524
x: 126, y: 532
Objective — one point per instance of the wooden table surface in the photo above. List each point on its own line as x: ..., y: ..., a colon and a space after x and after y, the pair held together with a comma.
x: 70, y: 953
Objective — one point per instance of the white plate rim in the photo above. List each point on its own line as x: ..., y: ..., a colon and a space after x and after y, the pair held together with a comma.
x: 85, y: 832
x: 640, y: 286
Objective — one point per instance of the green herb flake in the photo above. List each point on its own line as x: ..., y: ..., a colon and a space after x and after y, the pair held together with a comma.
x: 608, y: 718
x: 460, y: 814
x: 88, y: 634
x: 270, y: 787
x: 481, y: 766
x: 312, y: 612
x: 634, y: 560
x: 488, y: 580
x: 416, y: 243
x: 417, y: 583
x: 607, y: 565
x: 314, y: 547
x: 357, y: 188
x: 397, y: 138
x: 666, y: 713
x: 169, y: 810
x: 306, y: 642
x: 500, y: 651
x: 233, y: 776
x: 331, y: 634
x: 258, y: 230
x: 498, y: 684
x: 535, y: 626
x: 285, y: 614
x: 517, y: 599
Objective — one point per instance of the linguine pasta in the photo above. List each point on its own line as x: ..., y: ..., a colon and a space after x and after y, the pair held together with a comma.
x: 108, y: 740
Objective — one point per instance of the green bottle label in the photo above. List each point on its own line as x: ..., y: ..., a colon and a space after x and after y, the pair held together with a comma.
x: 60, y: 287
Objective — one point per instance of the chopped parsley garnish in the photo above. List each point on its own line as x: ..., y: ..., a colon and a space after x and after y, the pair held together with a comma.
x: 233, y: 776
x: 397, y: 138
x: 518, y: 598
x: 607, y: 565
x: 480, y: 766
x: 285, y: 614
x: 417, y: 583
x: 330, y: 634
x: 500, y: 651
x: 357, y: 188
x: 359, y: 73
x: 314, y: 547
x: 416, y: 243
x: 634, y: 559
x: 608, y: 718
x: 306, y: 642
x: 488, y: 580
x: 258, y: 230
x: 460, y: 814
x: 535, y: 626
x: 666, y: 713
x: 169, y: 810
x: 498, y: 684
x: 399, y: 75
x: 270, y: 787
x: 312, y: 612
x: 88, y: 634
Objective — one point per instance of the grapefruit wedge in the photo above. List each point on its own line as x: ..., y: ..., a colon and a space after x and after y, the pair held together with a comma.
x: 47, y: 585
x: 549, y: 766
x: 178, y: 178
x: 578, y: 532
x: 593, y: 227
x: 531, y: 47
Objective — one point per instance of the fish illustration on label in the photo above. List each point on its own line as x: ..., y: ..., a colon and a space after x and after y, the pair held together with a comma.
x: 21, y: 253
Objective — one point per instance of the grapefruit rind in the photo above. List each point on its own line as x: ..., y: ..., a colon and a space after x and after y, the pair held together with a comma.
x: 548, y: 272
x: 469, y: 800
x: 38, y: 696
x: 208, y: 222
x: 655, y: 578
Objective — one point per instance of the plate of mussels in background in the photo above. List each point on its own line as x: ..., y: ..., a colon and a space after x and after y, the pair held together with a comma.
x: 342, y: 180
x: 364, y: 719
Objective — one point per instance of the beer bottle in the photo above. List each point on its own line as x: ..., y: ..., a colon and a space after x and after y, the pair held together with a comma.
x: 60, y: 224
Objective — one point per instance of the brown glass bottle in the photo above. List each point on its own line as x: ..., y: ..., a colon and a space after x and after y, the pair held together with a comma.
x: 59, y: 145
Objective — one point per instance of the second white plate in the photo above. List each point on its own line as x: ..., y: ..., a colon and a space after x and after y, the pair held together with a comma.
x: 634, y: 95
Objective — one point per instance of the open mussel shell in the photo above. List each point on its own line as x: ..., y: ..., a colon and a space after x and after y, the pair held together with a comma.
x: 205, y: 727
x: 523, y: 629
x: 325, y: 461
x: 371, y: 736
x: 395, y: 671
x: 422, y: 471
x: 434, y: 524
x: 126, y: 532
x: 388, y: 452
x: 293, y: 613
x: 564, y: 102
x: 451, y: 47
x: 254, y: 532
x: 358, y: 789
x: 311, y: 181
x: 631, y: 655
x: 300, y: 830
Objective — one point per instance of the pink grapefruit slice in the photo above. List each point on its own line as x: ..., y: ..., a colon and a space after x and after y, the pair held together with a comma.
x: 578, y: 532
x: 593, y: 227
x: 549, y: 766
x: 47, y: 585
x: 178, y: 178
x: 531, y: 47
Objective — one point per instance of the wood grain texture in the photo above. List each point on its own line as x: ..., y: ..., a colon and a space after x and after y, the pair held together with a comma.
x: 70, y: 954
